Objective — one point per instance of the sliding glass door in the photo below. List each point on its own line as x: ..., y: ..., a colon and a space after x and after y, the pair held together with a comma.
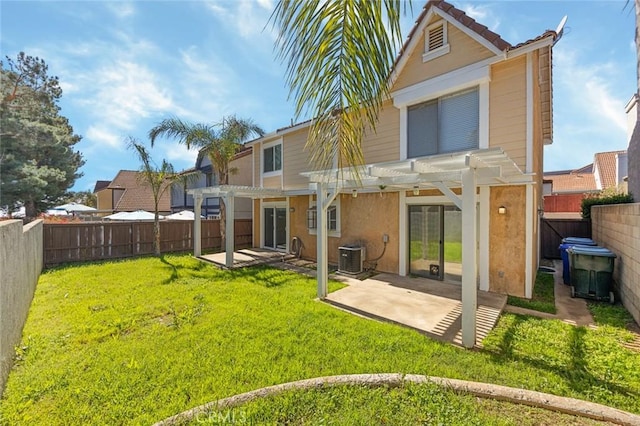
x: 435, y: 242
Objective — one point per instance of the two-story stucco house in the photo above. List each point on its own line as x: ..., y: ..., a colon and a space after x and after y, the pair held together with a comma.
x: 452, y: 185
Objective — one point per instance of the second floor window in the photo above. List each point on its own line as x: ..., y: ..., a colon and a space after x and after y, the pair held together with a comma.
x: 272, y: 158
x: 447, y: 124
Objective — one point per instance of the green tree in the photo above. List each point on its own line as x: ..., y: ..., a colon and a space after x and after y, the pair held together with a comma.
x: 159, y: 179
x: 339, y: 54
x: 37, y: 161
x: 220, y: 142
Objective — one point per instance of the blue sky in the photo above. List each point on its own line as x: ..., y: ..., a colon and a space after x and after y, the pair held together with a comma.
x: 126, y: 65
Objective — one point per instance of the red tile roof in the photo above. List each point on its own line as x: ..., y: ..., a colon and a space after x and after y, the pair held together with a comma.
x: 572, y: 182
x: 137, y: 194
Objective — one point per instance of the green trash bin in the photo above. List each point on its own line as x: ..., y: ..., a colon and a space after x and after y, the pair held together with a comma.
x: 591, y: 272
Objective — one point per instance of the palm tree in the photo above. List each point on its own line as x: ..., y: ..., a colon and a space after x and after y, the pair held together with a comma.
x: 159, y: 179
x: 339, y: 55
x: 220, y: 142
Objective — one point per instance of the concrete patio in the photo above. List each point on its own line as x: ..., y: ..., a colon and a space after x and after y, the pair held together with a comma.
x: 246, y: 257
x: 430, y: 307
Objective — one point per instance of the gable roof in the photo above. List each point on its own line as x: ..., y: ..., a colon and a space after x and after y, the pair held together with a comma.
x: 100, y: 185
x: 137, y: 195
x: 483, y: 34
x: 605, y: 166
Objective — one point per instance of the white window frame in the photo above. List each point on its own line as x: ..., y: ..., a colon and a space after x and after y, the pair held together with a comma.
x: 428, y: 55
x: 335, y: 233
x: 438, y: 100
x: 262, y: 163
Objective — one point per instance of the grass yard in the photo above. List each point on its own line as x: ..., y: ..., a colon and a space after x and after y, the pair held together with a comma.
x: 409, y: 405
x: 542, y: 299
x: 135, y: 341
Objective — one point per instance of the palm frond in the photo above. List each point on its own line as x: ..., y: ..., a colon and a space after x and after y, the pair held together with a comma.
x: 339, y: 54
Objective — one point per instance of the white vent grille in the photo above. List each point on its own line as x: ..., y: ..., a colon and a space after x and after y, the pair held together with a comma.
x: 351, y: 259
x: 436, y: 38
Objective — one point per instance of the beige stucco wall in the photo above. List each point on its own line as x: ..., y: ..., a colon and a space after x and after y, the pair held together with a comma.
x: 507, y: 257
x: 21, y: 257
x: 363, y: 220
x: 507, y: 106
x: 463, y: 51
x: 617, y: 227
x: 244, y: 177
x: 103, y: 200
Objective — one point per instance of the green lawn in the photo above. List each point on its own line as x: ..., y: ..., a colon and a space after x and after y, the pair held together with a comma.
x: 452, y: 251
x: 139, y: 340
x: 543, y: 298
x: 411, y: 404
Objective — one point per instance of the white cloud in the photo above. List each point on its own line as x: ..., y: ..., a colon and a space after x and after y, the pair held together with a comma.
x: 121, y: 9
x: 99, y: 135
x: 123, y: 93
x: 248, y: 20
x: 483, y: 14
x: 590, y: 88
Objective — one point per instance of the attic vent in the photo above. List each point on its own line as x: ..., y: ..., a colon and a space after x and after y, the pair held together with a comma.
x: 436, y: 38
x: 435, y: 41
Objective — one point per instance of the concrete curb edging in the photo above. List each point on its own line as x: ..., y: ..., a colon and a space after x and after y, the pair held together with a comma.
x: 561, y: 404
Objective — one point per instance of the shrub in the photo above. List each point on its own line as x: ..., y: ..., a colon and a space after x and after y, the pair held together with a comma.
x: 604, y: 197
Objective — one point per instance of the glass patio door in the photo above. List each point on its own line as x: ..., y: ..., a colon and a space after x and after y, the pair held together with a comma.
x: 275, y: 227
x: 435, y: 242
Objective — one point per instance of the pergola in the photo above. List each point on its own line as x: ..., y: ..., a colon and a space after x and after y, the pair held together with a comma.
x: 468, y: 171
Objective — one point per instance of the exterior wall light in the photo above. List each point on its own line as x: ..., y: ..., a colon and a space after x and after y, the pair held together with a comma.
x: 416, y: 190
x: 502, y: 210
x: 354, y: 193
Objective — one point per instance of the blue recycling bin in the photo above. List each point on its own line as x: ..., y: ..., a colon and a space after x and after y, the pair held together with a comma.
x: 566, y: 244
x: 592, y: 272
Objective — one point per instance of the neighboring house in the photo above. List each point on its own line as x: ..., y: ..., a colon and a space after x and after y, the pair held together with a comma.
x: 104, y: 199
x: 127, y: 192
x: 241, y: 163
x: 564, y: 190
x: 453, y: 170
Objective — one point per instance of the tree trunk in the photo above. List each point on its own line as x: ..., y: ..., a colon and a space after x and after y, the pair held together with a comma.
x: 30, y: 211
x: 156, y: 234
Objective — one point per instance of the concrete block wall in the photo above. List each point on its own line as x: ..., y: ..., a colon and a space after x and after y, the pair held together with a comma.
x: 21, y: 261
x: 617, y: 227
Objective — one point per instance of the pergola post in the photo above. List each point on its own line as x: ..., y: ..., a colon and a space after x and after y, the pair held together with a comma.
x: 469, y: 258
x: 322, y: 240
x: 229, y: 202
x: 197, y: 225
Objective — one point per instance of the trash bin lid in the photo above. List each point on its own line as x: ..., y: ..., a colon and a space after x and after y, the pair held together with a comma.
x: 591, y: 251
x: 579, y: 240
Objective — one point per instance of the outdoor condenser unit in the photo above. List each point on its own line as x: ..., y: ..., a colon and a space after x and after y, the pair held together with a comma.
x: 351, y: 259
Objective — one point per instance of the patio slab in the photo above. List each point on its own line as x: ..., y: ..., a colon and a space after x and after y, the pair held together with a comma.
x: 246, y: 257
x: 431, y: 307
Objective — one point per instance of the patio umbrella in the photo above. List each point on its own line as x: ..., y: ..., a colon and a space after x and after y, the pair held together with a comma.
x: 183, y: 215
x: 137, y: 215
x: 74, y: 207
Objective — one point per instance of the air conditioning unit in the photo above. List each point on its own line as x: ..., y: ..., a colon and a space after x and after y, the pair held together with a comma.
x: 351, y: 259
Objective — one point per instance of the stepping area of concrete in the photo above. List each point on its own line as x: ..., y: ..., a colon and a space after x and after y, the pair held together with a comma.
x: 431, y: 307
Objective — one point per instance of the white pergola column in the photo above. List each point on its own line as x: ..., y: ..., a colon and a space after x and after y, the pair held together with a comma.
x: 469, y: 258
x: 229, y: 201
x: 322, y: 240
x: 197, y: 225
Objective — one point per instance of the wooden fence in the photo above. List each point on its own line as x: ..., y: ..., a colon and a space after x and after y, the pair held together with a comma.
x: 552, y: 231
x: 80, y: 242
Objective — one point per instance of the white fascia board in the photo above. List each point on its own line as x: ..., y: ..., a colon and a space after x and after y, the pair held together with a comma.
x: 468, y: 31
x: 530, y: 47
x: 462, y: 78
